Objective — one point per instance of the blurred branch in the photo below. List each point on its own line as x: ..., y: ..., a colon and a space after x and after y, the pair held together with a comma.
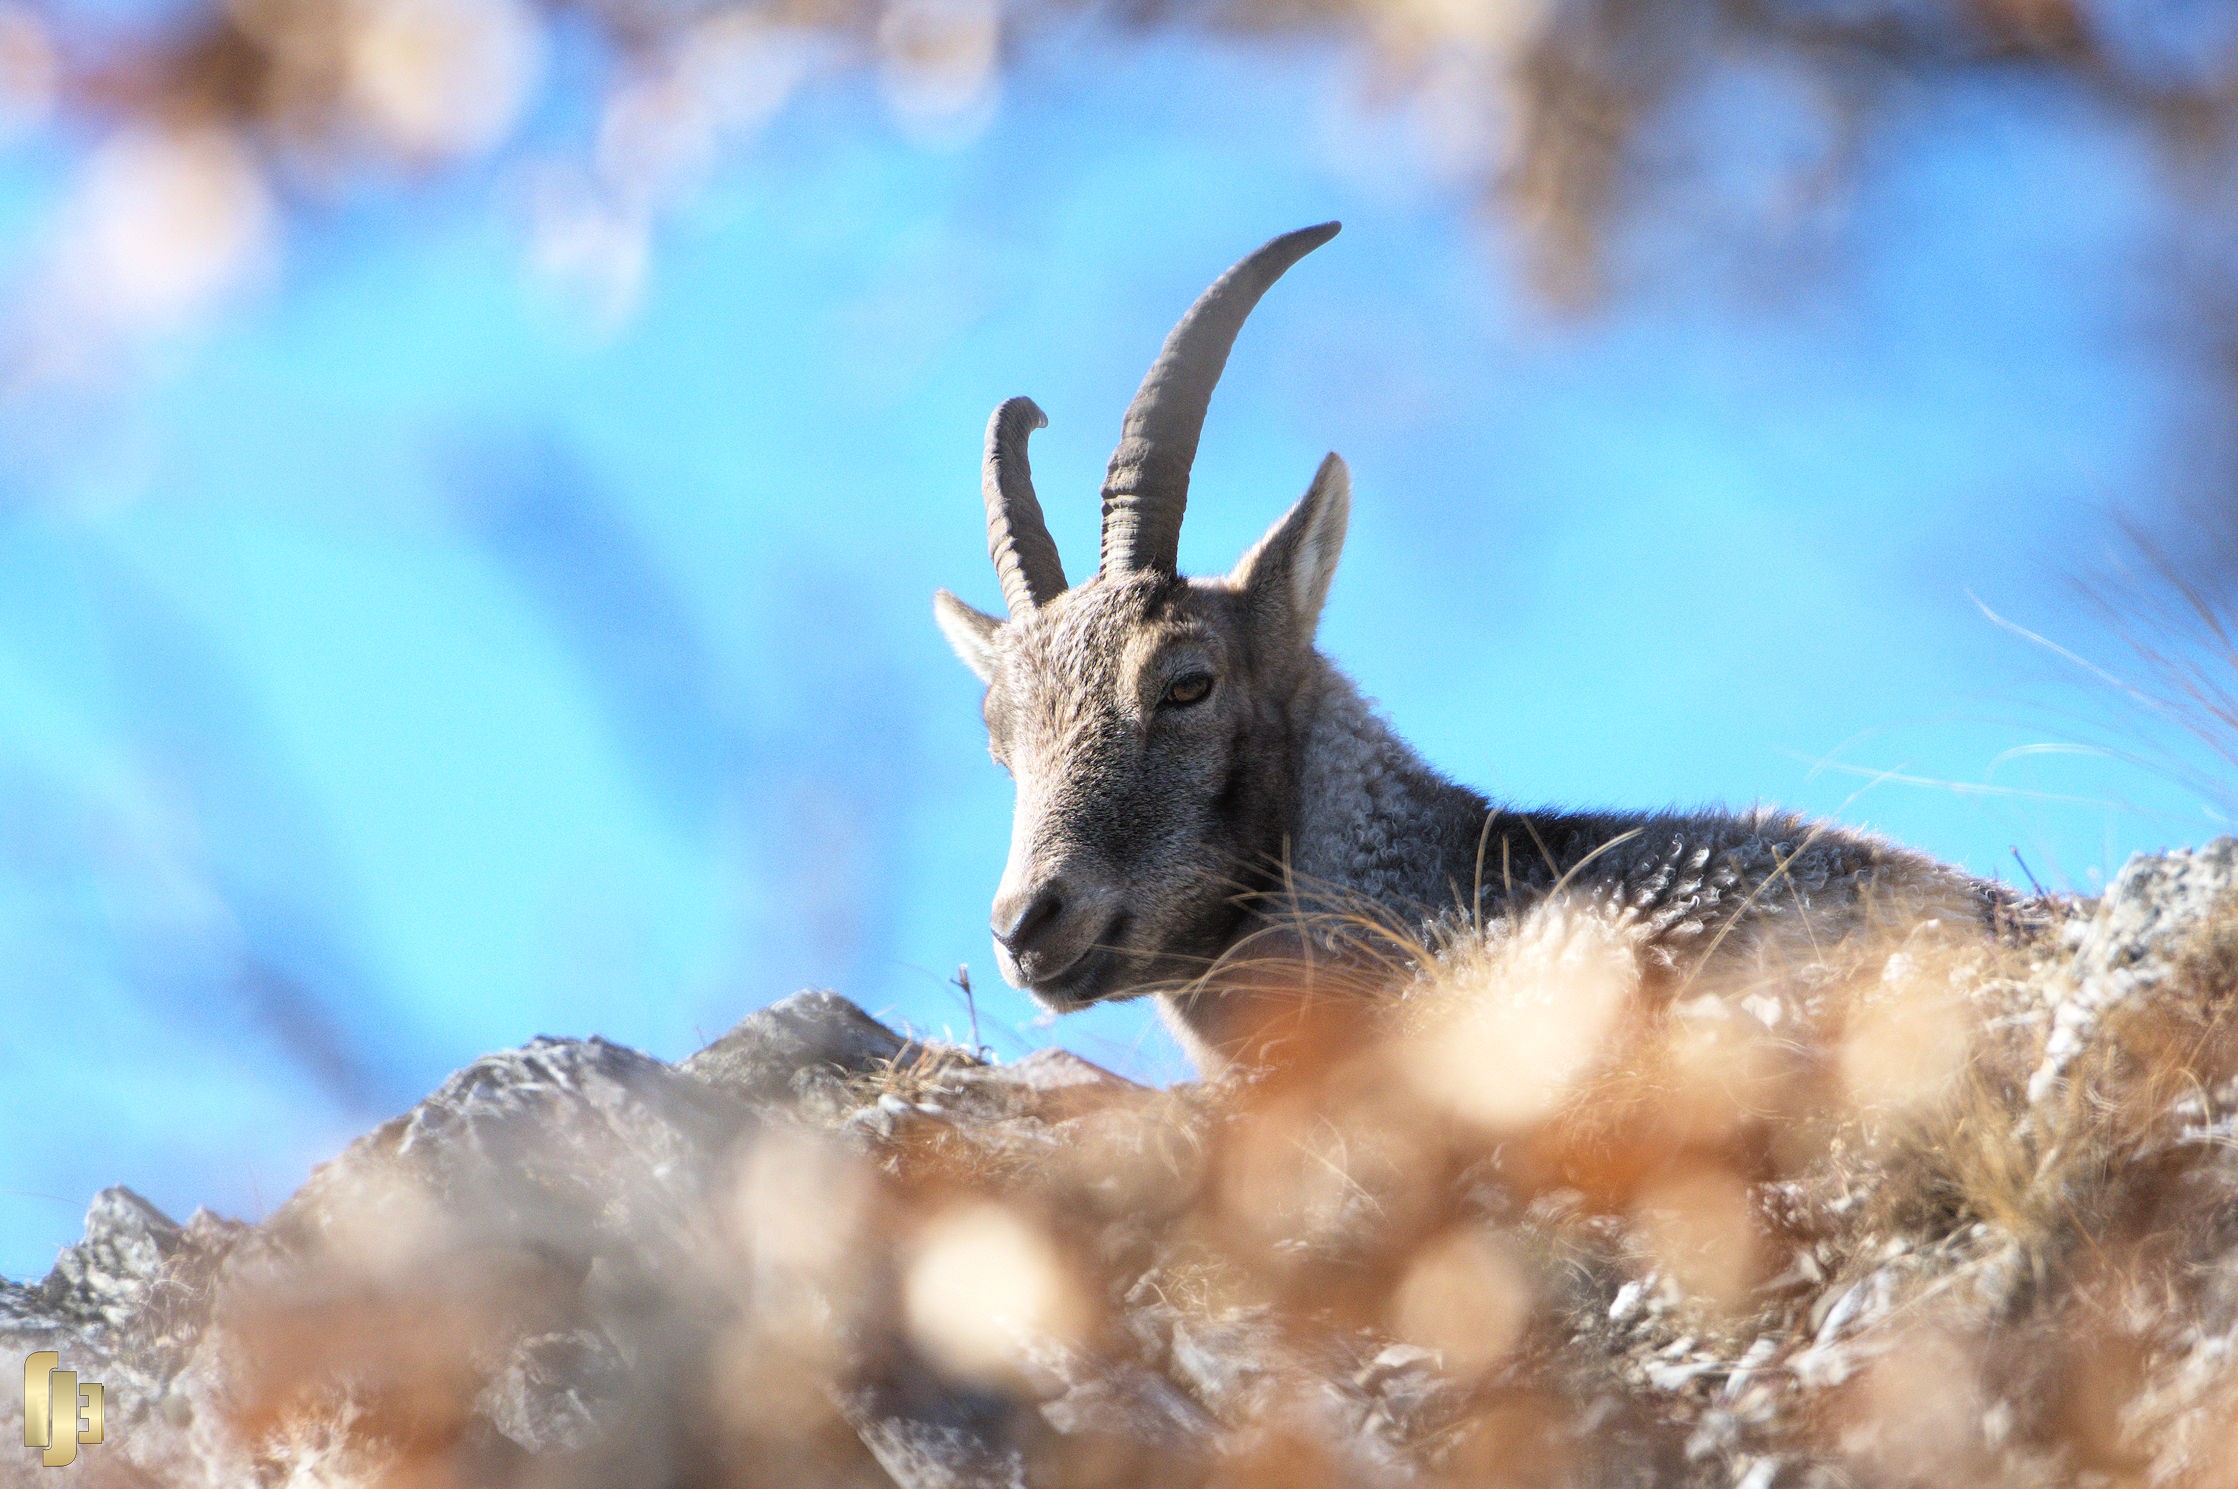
x: 1549, y: 104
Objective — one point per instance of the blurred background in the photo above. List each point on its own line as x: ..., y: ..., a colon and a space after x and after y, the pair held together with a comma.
x: 473, y: 474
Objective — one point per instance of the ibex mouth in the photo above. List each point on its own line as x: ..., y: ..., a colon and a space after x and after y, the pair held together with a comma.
x: 1088, y: 977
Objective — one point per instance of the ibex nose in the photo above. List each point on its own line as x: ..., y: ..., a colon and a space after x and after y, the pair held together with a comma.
x: 1047, y: 929
x: 1020, y: 920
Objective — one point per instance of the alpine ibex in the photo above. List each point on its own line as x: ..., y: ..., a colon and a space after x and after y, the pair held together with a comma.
x: 1192, y: 773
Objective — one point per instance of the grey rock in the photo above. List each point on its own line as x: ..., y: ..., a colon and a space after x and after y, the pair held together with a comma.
x: 1055, y: 1074
x: 1408, y: 1394
x: 572, y: 1175
x: 774, y: 1053
x: 125, y: 1306
x: 554, y: 1389
x: 930, y: 1455
x: 2130, y: 943
x: 1227, y: 1362
x: 558, y: 1270
x: 1133, y: 1401
x: 107, y: 1278
x: 929, y: 1434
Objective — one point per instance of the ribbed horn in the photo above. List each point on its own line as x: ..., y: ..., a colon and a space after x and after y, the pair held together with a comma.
x: 1017, y: 538
x: 1147, y: 486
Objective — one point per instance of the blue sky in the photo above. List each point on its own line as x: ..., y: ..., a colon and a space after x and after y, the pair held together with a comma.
x: 392, y: 669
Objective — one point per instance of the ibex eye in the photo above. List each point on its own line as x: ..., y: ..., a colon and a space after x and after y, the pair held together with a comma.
x: 1192, y: 687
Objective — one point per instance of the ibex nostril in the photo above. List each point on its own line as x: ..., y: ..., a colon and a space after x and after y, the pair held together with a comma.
x: 1017, y: 927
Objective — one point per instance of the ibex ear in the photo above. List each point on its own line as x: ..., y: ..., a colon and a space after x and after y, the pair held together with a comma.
x: 1287, y: 572
x: 971, y: 632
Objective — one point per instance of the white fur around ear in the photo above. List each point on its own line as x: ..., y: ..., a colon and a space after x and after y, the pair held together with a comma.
x: 970, y: 632
x: 1290, y: 568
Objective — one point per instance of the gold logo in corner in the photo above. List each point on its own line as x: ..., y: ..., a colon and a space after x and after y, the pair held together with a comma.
x: 59, y: 1410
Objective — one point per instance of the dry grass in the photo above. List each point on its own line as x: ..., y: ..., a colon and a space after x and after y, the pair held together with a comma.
x: 1543, y: 1209
x: 218, y: 123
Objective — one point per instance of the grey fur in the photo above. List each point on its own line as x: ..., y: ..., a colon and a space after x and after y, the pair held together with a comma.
x: 1157, y: 833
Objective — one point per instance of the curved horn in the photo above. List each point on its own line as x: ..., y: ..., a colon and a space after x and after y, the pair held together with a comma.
x: 1017, y: 538
x: 1147, y: 485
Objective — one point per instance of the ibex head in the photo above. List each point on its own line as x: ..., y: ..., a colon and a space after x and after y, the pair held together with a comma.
x: 1145, y: 717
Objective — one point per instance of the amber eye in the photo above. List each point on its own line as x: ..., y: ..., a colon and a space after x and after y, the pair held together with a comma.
x: 1190, y: 687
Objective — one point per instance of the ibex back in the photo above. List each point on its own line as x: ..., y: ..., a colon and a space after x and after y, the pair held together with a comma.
x: 1192, y: 773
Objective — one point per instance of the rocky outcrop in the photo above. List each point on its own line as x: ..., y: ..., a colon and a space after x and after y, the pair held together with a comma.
x: 1926, y: 1209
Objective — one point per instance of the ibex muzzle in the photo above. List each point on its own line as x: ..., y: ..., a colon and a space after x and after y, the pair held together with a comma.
x: 1052, y: 925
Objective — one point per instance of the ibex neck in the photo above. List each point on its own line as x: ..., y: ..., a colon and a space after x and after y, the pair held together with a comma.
x: 1373, y: 821
x: 1373, y: 829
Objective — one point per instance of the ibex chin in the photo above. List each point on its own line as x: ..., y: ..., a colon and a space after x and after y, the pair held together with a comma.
x: 1193, y: 775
